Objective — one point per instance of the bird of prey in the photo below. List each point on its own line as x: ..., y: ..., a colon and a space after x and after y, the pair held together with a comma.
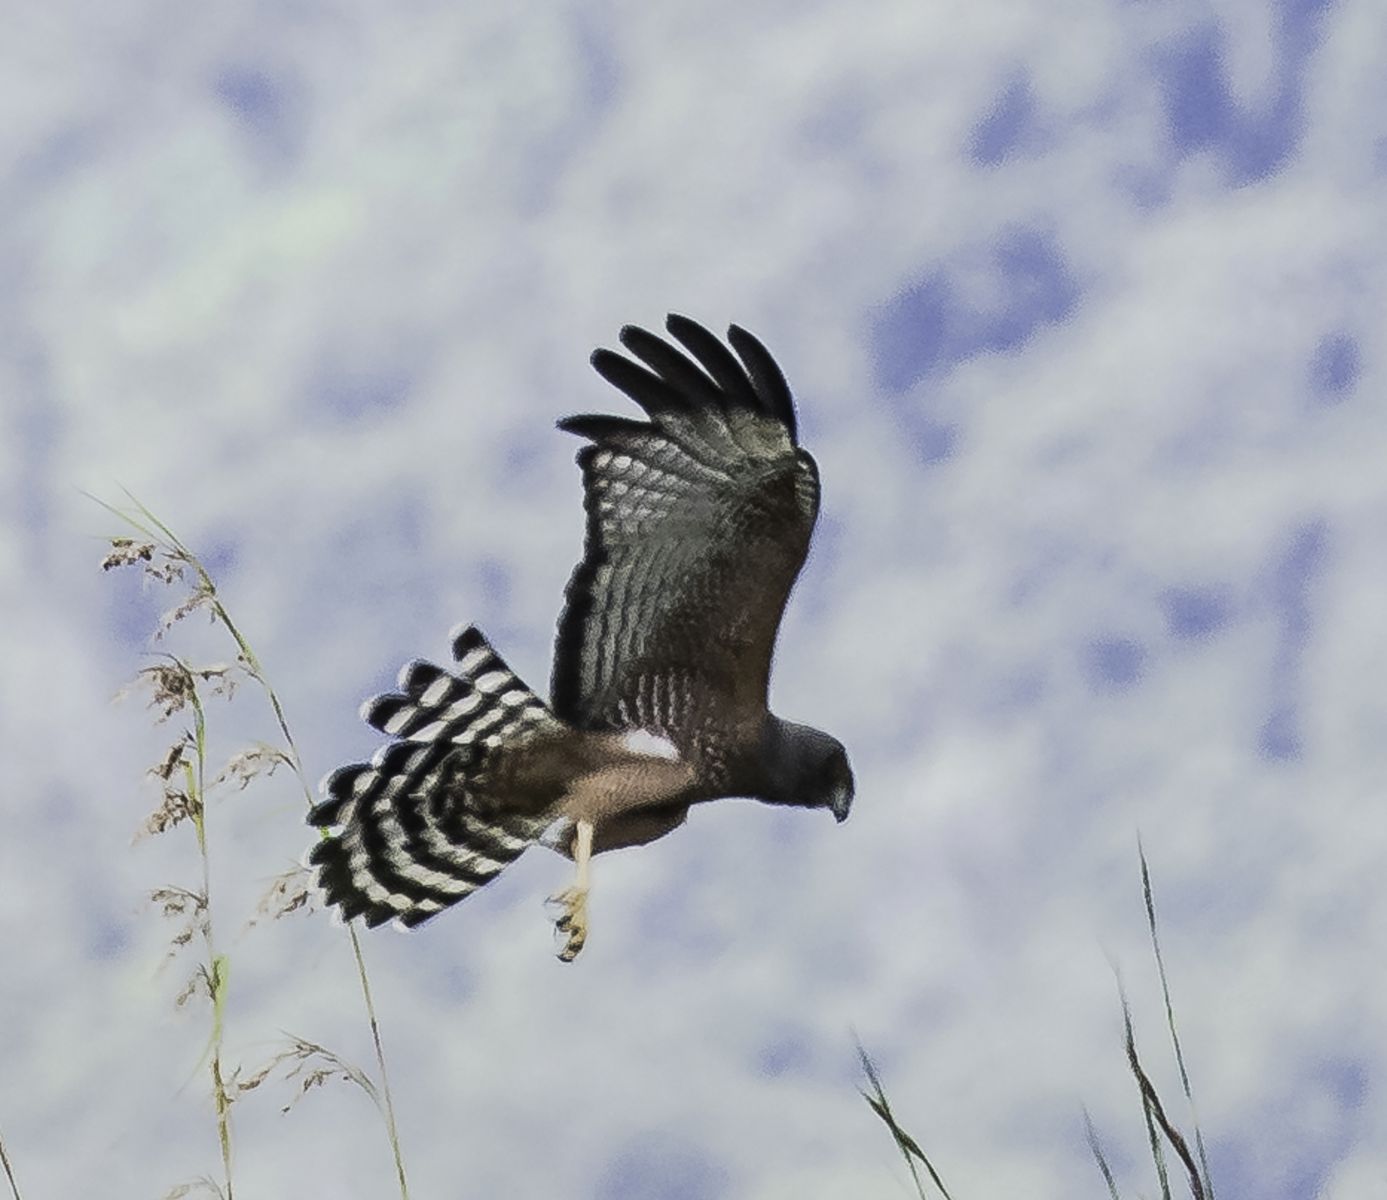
x: 698, y: 521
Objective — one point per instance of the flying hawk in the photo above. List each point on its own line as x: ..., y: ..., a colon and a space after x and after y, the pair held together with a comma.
x: 698, y: 521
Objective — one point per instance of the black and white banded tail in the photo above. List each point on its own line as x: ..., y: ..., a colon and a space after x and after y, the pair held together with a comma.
x: 408, y: 834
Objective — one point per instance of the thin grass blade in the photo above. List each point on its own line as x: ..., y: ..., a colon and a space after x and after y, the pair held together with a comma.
x: 1156, y: 1119
x: 1096, y: 1147
x: 9, y: 1171
x: 1205, y: 1178
x: 908, y: 1146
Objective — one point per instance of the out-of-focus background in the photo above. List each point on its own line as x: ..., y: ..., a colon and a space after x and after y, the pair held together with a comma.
x: 1083, y: 307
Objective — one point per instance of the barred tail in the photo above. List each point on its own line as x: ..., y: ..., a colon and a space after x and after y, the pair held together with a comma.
x: 408, y: 839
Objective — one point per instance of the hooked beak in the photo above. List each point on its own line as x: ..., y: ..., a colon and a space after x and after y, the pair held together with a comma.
x: 841, y: 804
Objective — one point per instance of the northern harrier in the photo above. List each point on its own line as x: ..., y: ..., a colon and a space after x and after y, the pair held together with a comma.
x: 698, y: 521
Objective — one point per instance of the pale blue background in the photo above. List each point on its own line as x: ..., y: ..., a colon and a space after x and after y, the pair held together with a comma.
x: 1083, y: 304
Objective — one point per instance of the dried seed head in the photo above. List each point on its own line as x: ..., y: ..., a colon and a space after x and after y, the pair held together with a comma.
x: 203, y: 1186
x: 236, y: 1086
x: 126, y: 552
x: 173, y: 684
x: 313, y: 1065
x: 222, y: 677
x: 177, y: 806
x: 288, y: 893
x: 198, y: 985
x: 190, y: 909
x: 167, y: 571
x: 173, y: 759
x: 259, y: 759
x: 178, y: 901
x: 200, y: 597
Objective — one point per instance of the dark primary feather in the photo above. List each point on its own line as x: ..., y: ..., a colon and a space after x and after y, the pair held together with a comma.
x: 698, y: 521
x: 686, y: 381
x: 766, y: 377
x: 717, y: 360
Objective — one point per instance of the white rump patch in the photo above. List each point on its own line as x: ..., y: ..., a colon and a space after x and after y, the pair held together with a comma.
x: 647, y: 741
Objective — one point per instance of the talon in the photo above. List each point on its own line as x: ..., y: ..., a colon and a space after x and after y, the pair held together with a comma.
x: 572, y: 921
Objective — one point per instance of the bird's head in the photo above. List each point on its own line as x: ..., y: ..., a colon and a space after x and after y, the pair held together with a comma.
x: 806, y: 767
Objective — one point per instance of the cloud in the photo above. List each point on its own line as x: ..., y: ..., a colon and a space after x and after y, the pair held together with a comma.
x: 1085, y: 331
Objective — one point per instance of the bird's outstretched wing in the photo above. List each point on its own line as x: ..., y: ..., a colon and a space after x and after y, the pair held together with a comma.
x: 698, y: 521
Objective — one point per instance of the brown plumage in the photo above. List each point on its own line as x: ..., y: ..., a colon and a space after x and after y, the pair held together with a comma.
x: 698, y: 522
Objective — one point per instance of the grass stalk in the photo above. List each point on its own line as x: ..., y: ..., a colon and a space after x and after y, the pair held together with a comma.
x: 9, y: 1171
x: 217, y: 967
x: 204, y: 594
x: 1157, y: 1122
x: 1099, y: 1157
x: 1206, y: 1179
x: 1148, y: 1095
x: 907, y: 1145
x: 1161, y: 1131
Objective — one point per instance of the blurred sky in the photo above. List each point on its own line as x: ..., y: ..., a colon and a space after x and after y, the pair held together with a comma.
x: 1083, y: 305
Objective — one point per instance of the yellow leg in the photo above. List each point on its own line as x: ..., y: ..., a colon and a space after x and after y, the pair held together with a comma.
x: 582, y: 853
x: 573, y: 919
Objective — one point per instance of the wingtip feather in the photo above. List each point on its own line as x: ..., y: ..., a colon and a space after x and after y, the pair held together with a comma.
x: 767, y: 379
